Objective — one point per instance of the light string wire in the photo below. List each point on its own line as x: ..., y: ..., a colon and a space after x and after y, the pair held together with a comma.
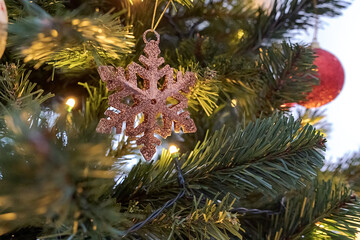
x: 168, y: 204
x: 182, y: 183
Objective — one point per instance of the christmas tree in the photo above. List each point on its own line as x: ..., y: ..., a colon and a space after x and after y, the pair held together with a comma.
x: 237, y: 165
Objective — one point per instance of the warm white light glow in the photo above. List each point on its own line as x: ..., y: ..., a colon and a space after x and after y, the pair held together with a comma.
x: 173, y: 149
x: 233, y: 103
x: 319, y: 225
x: 357, y: 236
x: 71, y: 102
x: 240, y: 34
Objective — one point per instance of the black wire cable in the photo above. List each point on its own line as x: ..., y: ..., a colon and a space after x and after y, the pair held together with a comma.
x: 171, y: 202
x: 259, y: 211
x: 168, y: 204
x: 253, y: 211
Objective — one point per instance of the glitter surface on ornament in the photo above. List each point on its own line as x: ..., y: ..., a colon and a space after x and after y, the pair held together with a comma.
x: 148, y: 96
x: 331, y: 76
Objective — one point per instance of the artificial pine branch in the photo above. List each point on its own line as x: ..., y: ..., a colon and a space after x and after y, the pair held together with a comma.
x: 95, y: 105
x: 289, y: 15
x: 200, y: 219
x: 314, y: 117
x: 55, y: 180
x: 16, y: 90
x: 68, y: 42
x: 314, y: 212
x: 348, y: 168
x: 281, y: 75
x: 204, y: 95
x: 322, y: 202
x: 258, y: 26
x: 289, y: 74
x: 265, y: 159
x: 85, y: 121
x: 17, y: 10
x: 248, y: 88
x: 341, y: 224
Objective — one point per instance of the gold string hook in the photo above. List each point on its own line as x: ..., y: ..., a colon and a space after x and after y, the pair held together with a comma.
x: 315, y: 43
x: 153, y: 19
x: 153, y: 28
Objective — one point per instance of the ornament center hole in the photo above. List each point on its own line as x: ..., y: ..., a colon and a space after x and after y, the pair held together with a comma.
x: 153, y: 101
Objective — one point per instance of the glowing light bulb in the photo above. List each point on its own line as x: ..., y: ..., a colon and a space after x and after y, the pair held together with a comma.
x: 233, y: 103
x: 240, y: 34
x: 319, y: 225
x: 357, y: 234
x: 70, y: 102
x: 173, y: 149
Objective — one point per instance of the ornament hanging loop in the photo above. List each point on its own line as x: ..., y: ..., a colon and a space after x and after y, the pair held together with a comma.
x: 153, y: 31
x: 315, y: 43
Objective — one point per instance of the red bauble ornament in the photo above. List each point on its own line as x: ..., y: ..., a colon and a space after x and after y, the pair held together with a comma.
x: 331, y: 76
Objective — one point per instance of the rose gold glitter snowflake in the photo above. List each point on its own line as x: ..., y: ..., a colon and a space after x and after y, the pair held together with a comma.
x: 157, y: 96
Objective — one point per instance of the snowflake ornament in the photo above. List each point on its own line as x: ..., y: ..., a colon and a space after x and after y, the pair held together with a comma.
x: 157, y: 95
